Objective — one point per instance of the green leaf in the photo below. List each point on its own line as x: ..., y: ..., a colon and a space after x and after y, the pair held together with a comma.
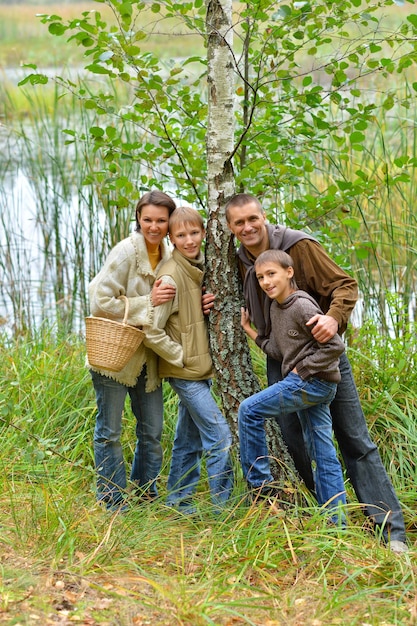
x: 97, y: 69
x: 125, y: 9
x: 111, y: 132
x: 357, y: 137
x: 57, y: 29
x: 388, y: 103
x: 284, y: 11
x: 412, y: 19
x: 34, y: 79
x: 96, y: 131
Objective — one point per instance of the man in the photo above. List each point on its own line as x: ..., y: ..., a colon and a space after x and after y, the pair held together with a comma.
x: 336, y: 294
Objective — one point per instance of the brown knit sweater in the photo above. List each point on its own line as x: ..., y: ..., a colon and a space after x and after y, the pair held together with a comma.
x: 292, y: 343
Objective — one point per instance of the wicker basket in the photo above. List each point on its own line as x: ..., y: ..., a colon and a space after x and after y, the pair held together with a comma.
x: 111, y: 345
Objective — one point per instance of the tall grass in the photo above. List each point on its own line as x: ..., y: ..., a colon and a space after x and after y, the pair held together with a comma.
x: 251, y: 565
x: 57, y: 229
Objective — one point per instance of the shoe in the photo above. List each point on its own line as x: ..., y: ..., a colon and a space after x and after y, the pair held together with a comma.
x: 264, y: 492
x: 398, y: 547
x: 185, y: 506
x: 140, y: 496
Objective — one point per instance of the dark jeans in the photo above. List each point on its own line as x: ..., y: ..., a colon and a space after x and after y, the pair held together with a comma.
x: 148, y: 410
x: 363, y: 464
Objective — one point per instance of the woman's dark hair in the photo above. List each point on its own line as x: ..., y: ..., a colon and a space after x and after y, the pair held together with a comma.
x: 156, y: 197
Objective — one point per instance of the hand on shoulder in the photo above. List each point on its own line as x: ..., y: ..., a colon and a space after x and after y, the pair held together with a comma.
x: 324, y: 328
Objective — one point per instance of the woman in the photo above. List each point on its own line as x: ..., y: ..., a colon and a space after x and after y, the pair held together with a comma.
x: 130, y: 270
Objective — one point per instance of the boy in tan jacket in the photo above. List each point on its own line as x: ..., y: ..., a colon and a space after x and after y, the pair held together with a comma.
x: 202, y: 430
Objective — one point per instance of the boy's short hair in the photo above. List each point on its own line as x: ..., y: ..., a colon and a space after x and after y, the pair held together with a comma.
x: 186, y: 215
x: 279, y: 257
x: 275, y: 256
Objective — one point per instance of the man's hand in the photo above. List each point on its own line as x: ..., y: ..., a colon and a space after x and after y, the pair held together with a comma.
x: 207, y: 301
x: 325, y: 327
x: 162, y: 292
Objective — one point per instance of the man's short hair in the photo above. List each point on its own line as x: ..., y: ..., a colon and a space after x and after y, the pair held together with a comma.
x: 239, y: 200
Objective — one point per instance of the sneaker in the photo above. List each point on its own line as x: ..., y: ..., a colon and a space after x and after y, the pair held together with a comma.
x: 398, y: 547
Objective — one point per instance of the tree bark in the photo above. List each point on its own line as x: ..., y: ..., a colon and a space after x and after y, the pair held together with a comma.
x: 230, y: 350
x: 231, y: 357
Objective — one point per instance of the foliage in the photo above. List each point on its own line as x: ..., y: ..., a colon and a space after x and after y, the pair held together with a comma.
x: 63, y: 558
x: 299, y: 83
x: 316, y: 88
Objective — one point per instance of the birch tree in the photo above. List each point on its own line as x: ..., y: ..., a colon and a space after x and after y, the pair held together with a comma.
x: 230, y: 350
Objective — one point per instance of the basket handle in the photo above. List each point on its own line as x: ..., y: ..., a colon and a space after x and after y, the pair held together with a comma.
x: 126, y: 300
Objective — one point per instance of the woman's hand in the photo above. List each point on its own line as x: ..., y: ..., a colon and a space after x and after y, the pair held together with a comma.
x: 162, y: 292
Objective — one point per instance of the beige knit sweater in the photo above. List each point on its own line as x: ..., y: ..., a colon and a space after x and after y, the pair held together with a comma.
x: 128, y: 272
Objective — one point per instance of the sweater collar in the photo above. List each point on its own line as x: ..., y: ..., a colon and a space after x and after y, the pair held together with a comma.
x: 143, y: 265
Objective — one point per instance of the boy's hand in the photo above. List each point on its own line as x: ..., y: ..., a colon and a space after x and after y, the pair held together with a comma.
x: 207, y: 301
x: 246, y: 323
x: 244, y: 318
x: 162, y: 292
x: 325, y: 327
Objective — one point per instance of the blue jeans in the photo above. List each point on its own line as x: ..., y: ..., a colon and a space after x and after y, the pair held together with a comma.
x: 310, y: 399
x: 108, y: 454
x: 202, y: 432
x: 364, y: 467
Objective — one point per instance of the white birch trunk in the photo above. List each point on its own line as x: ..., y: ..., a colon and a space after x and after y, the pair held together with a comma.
x: 230, y: 351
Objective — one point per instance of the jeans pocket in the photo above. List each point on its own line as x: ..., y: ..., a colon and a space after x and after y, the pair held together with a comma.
x: 322, y: 389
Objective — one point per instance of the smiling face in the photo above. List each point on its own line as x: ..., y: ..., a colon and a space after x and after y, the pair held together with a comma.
x: 153, y: 221
x: 187, y: 237
x: 275, y: 280
x: 248, y: 224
